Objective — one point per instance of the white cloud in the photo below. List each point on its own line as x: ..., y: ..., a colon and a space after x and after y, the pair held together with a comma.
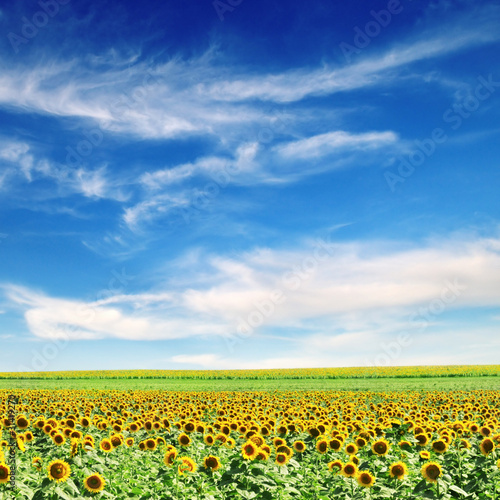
x: 161, y: 198
x: 126, y: 317
x: 202, y: 96
x: 330, y: 142
x: 22, y: 165
x: 357, y: 292
x: 153, y: 208
x: 297, y: 84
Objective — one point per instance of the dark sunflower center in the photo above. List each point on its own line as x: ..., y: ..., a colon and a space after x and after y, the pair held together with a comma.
x: 57, y: 471
x: 397, y: 470
x: 488, y: 446
x: 433, y: 471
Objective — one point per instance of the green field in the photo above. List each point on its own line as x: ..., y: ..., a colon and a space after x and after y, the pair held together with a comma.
x: 377, y: 385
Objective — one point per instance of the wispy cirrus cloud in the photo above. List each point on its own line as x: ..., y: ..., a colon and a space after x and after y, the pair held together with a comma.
x: 381, y: 69
x: 168, y: 190
x: 24, y: 166
x: 324, y: 144
x: 201, y: 95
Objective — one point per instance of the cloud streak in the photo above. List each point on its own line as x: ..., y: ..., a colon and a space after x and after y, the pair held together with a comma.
x: 195, y: 96
x: 383, y: 284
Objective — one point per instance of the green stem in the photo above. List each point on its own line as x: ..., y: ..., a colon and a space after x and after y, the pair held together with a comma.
x: 177, y: 485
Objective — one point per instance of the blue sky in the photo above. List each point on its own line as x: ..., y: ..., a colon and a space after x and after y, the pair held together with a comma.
x: 239, y: 184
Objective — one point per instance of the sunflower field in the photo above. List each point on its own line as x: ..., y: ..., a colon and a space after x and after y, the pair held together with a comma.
x: 271, y: 374
x: 70, y: 444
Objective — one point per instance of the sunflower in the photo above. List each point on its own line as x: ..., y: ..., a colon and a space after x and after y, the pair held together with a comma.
x: 29, y: 436
x: 314, y: 432
x: 299, y: 446
x: 278, y: 441
x: 170, y: 457
x: 405, y: 445
x: 258, y: 440
x: 4, y: 473
x: 282, y: 458
x: 211, y: 463
x: 151, y: 444
x: 422, y: 438
x: 58, y: 439
x: 89, y: 443
x: 335, y: 444
x: 20, y: 443
x: 230, y: 443
x: 284, y: 449
x: 485, y: 431
x: 335, y: 466
x: 322, y: 446
x: 249, y: 450
x: 282, y: 429
x: 440, y: 446
x: 267, y: 449
x: 129, y: 441
x: 40, y: 423
x: 37, y: 463
x: 116, y: 440
x: 184, y: 439
x: 473, y: 427
x: 74, y: 447
x: 360, y: 441
x: 425, y: 455
x: 381, y: 447
x: 351, y: 449
x: 22, y: 422
x: 431, y: 471
x: 262, y: 455
x: 209, y: 439
x: 187, y: 465
x: 486, y: 446
x: 94, y: 483
x: 76, y: 435
x: 59, y: 471
x: 349, y: 469
x: 106, y: 445
x: 463, y: 443
x: 365, y: 479
x: 398, y: 470
x: 222, y: 438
